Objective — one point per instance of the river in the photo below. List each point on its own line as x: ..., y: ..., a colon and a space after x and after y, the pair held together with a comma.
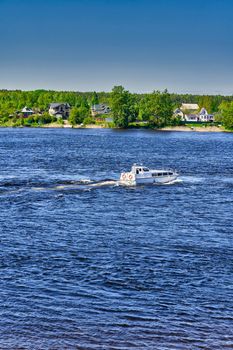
x: 87, y: 264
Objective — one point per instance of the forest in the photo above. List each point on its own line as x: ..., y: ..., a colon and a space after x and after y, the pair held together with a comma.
x: 156, y: 107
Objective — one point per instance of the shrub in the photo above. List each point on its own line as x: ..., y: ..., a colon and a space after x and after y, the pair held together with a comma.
x: 88, y: 120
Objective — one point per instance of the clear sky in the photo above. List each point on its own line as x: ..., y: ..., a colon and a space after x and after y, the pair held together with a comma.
x: 86, y: 45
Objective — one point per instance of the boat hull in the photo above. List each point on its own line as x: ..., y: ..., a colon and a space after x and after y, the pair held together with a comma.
x: 157, y: 180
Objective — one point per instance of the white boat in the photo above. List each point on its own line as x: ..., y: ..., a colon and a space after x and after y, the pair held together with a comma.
x: 141, y: 175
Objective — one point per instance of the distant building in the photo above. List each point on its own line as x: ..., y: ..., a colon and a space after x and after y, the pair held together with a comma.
x: 204, y: 116
x: 191, y: 107
x: 178, y: 113
x: 27, y: 112
x: 188, y: 112
x: 186, y: 109
x: 191, y: 118
x: 100, y: 109
x: 59, y: 110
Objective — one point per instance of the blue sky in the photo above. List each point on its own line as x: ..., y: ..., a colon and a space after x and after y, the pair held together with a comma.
x: 86, y: 45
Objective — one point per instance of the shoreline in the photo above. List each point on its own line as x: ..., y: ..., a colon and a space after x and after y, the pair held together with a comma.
x: 194, y: 129
x: 166, y: 129
x: 94, y: 126
x: 181, y: 128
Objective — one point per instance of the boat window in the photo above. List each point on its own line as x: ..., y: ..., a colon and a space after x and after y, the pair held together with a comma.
x: 145, y: 169
x: 170, y: 173
x: 154, y: 174
x: 160, y: 174
x: 137, y: 171
x: 165, y: 174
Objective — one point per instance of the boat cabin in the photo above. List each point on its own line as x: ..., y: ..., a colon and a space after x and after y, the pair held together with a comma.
x: 141, y: 170
x: 140, y: 175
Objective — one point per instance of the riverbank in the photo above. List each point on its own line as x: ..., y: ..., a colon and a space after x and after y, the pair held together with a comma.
x: 194, y: 128
x: 181, y: 128
x: 69, y: 126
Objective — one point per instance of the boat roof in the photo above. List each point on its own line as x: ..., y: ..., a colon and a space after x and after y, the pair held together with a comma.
x: 140, y: 166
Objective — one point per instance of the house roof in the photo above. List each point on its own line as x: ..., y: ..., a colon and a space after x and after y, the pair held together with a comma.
x: 26, y: 109
x: 189, y: 106
x: 55, y: 105
x: 203, y: 111
x: 177, y: 110
x: 99, y: 107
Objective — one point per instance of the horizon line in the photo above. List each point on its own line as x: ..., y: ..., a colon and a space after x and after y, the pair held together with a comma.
x: 198, y: 93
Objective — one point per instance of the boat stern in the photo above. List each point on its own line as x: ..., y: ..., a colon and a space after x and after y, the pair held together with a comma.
x: 127, y: 178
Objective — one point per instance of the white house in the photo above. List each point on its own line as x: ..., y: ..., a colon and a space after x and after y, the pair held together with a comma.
x: 178, y: 113
x: 187, y: 112
x: 204, y: 116
x: 27, y: 111
x: 61, y: 110
x: 191, y: 118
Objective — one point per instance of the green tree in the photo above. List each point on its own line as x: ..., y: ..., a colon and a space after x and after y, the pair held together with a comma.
x: 78, y: 114
x: 157, y: 108
x: 88, y: 120
x: 74, y: 117
x: 207, y: 102
x: 120, y: 102
x: 84, y: 112
x: 226, y: 112
x: 85, y: 103
x: 144, y: 108
x: 95, y: 99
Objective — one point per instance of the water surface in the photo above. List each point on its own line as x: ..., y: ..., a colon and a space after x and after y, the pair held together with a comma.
x: 109, y: 267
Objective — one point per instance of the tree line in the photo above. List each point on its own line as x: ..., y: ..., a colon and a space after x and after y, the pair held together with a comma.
x: 155, y: 108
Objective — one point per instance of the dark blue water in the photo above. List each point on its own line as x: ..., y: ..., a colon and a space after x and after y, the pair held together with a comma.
x: 109, y: 267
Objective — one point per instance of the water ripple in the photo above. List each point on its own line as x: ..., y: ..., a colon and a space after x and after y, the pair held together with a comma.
x: 86, y: 264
